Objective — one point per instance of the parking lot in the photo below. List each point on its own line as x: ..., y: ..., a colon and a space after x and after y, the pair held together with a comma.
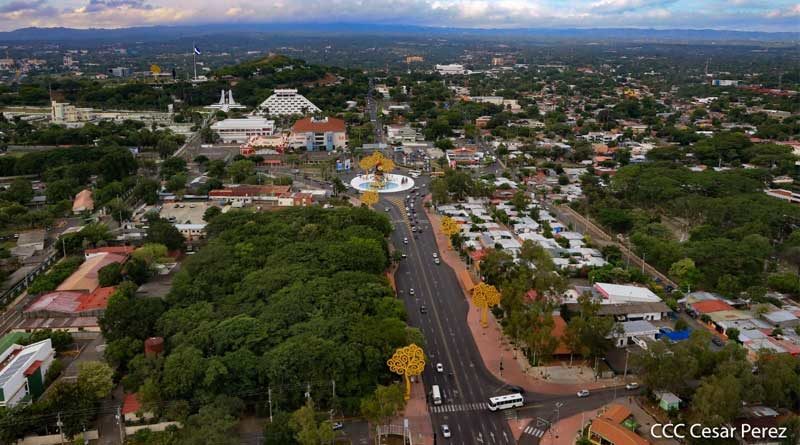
x: 185, y: 212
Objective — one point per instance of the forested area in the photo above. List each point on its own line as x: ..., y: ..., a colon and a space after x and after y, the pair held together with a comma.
x: 715, y: 230
x: 256, y: 80
x: 284, y: 301
x: 125, y: 134
x: 716, y: 384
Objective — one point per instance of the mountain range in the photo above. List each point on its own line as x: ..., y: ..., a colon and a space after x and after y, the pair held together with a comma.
x: 153, y: 33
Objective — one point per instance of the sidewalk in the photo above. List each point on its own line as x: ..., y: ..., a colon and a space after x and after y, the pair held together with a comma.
x: 419, y: 420
x: 491, y: 343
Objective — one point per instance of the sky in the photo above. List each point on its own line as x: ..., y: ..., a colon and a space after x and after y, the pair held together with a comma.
x: 747, y: 15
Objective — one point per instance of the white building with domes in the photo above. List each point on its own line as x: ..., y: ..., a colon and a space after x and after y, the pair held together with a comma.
x: 286, y: 102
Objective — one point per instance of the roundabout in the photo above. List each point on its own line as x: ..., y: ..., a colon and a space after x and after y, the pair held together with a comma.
x: 386, y: 183
x: 377, y: 177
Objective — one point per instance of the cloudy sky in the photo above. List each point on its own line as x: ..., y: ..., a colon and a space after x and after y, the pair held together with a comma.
x: 756, y: 15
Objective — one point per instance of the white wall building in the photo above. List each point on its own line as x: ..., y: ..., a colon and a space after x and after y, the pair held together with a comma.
x: 22, y: 371
x: 400, y: 133
x: 451, y: 69
x: 286, y: 102
x: 240, y: 130
x: 64, y: 113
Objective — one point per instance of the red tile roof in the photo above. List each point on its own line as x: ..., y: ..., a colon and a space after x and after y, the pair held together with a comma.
x: 615, y: 433
x: 250, y: 190
x: 122, y: 250
x: 311, y: 125
x: 709, y: 306
x: 32, y: 368
x: 95, y: 300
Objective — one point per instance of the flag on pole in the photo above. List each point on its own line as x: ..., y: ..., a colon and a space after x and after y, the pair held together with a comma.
x: 196, y: 51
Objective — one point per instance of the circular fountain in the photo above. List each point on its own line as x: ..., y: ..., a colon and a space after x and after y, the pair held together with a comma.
x: 378, y: 177
x: 386, y: 183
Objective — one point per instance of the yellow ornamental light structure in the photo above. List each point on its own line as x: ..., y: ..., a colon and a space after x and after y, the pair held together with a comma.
x: 407, y: 361
x: 370, y: 198
x: 485, y: 296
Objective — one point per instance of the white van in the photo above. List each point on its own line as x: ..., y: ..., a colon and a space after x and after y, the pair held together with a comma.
x: 436, y: 395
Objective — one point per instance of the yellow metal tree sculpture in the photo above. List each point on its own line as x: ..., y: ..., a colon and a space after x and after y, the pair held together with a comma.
x: 485, y: 296
x: 370, y: 198
x: 378, y: 166
x: 407, y: 361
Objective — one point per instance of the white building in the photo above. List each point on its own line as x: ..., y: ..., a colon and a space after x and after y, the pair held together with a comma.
x: 451, y: 69
x: 286, y: 102
x: 23, y: 370
x: 323, y: 134
x: 240, y: 130
x: 226, y: 102
x: 601, y: 137
x: 619, y: 293
x: 63, y: 113
x: 400, y: 133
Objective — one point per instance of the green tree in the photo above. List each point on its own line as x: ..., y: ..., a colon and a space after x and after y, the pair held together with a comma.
x: 19, y: 191
x: 211, y: 212
x: 96, y: 378
x: 110, y: 275
x: 279, y: 431
x: 238, y: 171
x: 309, y: 430
x: 161, y: 231
x: 383, y: 404
x: 717, y: 400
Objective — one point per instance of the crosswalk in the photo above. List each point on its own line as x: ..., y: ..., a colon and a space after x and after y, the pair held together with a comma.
x: 457, y: 407
x: 533, y: 431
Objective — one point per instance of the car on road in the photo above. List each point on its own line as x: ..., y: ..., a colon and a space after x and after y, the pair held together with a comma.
x: 387, y: 209
x: 435, y: 255
x: 411, y: 291
x: 436, y: 261
x: 439, y: 367
x: 445, y: 431
x: 405, y: 240
x: 583, y: 393
x: 413, y: 228
x: 632, y: 385
x: 337, y: 426
x: 423, y: 309
x: 403, y: 255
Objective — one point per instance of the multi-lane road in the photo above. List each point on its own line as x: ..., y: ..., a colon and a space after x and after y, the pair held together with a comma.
x: 466, y: 384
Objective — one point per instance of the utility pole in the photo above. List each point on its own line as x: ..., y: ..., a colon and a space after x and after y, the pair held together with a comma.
x: 121, y: 421
x: 60, y: 426
x: 625, y: 374
x: 269, y: 398
x: 308, y: 390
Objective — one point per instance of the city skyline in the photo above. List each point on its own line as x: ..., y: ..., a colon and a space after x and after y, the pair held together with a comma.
x: 745, y: 15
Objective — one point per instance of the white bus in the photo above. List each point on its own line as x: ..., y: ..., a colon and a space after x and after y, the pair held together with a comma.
x: 436, y: 395
x: 505, y: 402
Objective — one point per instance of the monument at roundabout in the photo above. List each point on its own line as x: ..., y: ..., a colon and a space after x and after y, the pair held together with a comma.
x: 377, y: 176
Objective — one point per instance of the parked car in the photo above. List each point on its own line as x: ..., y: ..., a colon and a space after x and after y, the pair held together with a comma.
x: 337, y: 426
x: 583, y: 393
x: 717, y: 341
x: 632, y: 385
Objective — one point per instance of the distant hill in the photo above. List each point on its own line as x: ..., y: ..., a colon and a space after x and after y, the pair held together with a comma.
x: 156, y: 33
